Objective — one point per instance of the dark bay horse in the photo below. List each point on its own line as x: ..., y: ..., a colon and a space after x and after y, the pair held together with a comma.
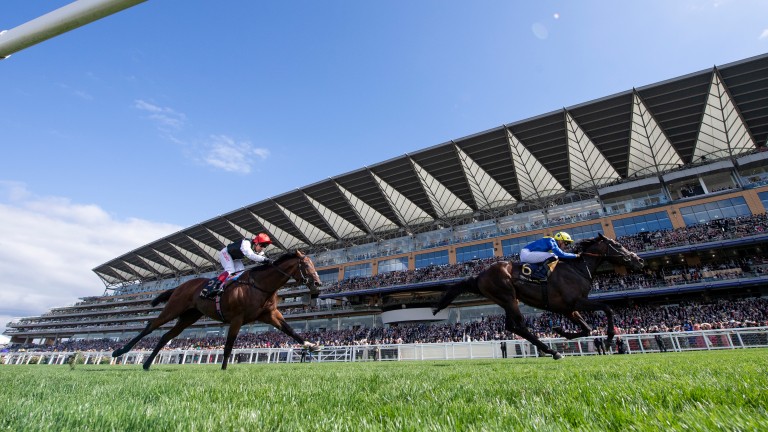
x: 566, y: 291
x: 252, y: 297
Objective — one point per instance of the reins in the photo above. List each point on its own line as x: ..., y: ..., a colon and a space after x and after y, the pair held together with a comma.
x: 605, y: 255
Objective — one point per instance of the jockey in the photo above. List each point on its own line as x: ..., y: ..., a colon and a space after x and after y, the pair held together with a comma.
x: 231, y: 258
x: 545, y: 251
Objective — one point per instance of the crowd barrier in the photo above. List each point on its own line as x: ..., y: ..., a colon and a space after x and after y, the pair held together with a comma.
x: 751, y: 337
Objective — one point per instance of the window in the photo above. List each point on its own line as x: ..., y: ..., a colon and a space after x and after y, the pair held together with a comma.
x: 584, y: 232
x: 764, y: 199
x: 727, y: 208
x: 395, y: 264
x: 646, y: 223
x: 479, y: 251
x: 432, y: 258
x: 358, y: 270
x: 329, y: 276
x: 512, y: 246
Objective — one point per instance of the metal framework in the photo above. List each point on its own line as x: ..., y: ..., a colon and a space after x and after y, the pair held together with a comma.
x: 555, y: 157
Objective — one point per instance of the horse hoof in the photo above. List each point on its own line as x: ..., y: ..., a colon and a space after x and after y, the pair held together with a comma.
x: 116, y: 353
x: 556, y: 356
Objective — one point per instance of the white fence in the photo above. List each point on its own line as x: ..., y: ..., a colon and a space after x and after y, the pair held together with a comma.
x: 754, y: 337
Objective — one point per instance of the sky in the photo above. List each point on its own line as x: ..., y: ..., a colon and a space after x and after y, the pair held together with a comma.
x: 173, y: 112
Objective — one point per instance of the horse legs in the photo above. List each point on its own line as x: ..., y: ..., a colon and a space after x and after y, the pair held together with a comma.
x: 448, y: 296
x: 591, y: 305
x: 515, y: 322
x: 275, y: 318
x: 234, y: 330
x: 576, y: 318
x: 153, y: 325
x: 185, y: 320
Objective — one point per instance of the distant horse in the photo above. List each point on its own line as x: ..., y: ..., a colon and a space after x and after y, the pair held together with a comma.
x: 565, y: 292
x: 252, y: 297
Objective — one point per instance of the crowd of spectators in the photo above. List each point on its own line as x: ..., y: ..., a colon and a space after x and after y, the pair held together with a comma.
x: 721, y: 229
x: 682, y: 317
x: 668, y: 275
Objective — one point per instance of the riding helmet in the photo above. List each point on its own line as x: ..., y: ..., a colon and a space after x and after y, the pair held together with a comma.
x: 262, y: 238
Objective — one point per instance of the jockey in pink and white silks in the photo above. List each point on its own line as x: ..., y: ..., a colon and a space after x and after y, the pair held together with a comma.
x: 231, y: 258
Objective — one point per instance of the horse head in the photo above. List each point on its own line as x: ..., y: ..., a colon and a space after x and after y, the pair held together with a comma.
x: 604, y: 247
x: 306, y: 274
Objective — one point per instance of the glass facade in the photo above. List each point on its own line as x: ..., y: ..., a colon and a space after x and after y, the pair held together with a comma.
x: 584, y: 232
x: 358, y: 270
x: 727, y: 208
x: 395, y: 264
x: 763, y: 199
x: 431, y: 258
x: 635, y: 224
x: 478, y: 251
x: 329, y: 276
x: 511, y: 247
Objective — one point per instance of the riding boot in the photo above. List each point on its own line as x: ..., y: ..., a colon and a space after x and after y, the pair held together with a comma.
x: 545, y: 268
x: 214, y: 285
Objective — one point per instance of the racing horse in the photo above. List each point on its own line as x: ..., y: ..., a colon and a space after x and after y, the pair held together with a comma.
x: 251, y: 297
x: 565, y: 292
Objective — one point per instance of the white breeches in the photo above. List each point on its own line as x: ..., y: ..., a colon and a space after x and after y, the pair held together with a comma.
x: 230, y: 265
x: 534, y: 257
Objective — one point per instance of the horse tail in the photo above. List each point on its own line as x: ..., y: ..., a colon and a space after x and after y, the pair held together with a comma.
x: 162, y: 298
x: 452, y: 291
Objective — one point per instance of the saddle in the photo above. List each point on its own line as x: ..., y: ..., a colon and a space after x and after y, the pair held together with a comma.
x: 214, y: 288
x: 537, y: 273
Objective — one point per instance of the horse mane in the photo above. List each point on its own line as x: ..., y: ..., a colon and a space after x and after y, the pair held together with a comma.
x: 284, y: 257
x: 583, y: 245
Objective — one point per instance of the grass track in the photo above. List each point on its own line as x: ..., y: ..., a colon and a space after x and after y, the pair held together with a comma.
x: 717, y: 390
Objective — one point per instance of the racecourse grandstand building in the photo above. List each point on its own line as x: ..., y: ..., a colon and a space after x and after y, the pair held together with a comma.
x: 677, y: 171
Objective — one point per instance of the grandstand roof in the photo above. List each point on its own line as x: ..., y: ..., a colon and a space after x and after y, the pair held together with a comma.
x: 715, y: 113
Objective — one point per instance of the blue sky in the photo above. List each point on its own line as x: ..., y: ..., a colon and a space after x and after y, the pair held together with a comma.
x: 173, y: 112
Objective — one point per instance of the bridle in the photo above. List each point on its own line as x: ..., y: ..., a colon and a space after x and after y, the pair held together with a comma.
x: 626, y: 257
x: 303, y: 270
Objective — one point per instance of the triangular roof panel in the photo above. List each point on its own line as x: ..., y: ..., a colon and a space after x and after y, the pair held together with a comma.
x: 287, y: 240
x: 342, y: 227
x: 408, y: 212
x: 722, y: 132
x: 445, y: 202
x: 533, y: 179
x: 589, y: 168
x: 488, y: 193
x: 311, y: 232
x: 650, y: 151
x: 374, y: 220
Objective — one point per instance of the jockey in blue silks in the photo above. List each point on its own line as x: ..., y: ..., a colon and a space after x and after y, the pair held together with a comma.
x: 545, y: 251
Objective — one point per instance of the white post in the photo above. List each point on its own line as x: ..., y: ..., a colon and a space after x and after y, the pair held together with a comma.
x: 62, y: 20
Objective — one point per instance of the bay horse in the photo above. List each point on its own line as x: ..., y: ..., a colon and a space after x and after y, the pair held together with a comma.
x: 565, y: 292
x: 251, y: 297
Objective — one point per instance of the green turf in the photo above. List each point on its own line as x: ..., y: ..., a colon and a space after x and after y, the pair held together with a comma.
x: 719, y: 390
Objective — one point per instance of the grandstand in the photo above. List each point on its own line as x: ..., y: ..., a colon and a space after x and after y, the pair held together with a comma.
x: 677, y: 171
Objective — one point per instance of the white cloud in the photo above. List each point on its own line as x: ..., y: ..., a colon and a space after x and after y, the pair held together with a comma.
x: 764, y: 34
x: 164, y: 117
x: 225, y: 153
x: 220, y: 152
x: 75, y: 92
x: 49, y: 246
